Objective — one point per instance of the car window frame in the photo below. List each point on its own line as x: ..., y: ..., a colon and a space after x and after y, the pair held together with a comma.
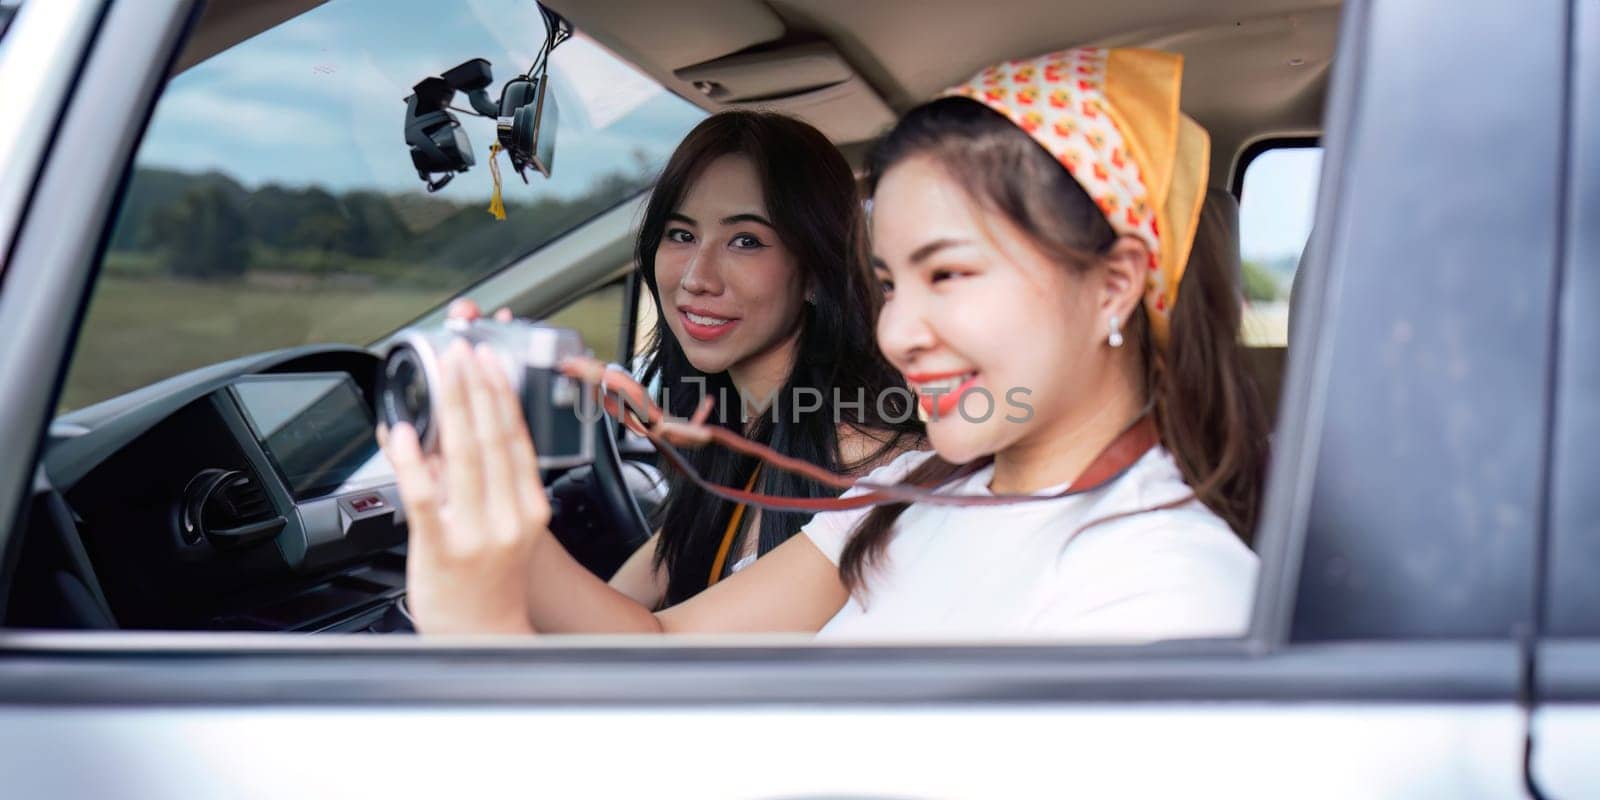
x: 222, y: 668
x: 48, y: 640
x: 1259, y: 147
x: 1250, y: 644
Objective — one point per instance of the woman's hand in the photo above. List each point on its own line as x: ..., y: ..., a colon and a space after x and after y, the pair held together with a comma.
x: 467, y: 309
x: 474, y: 516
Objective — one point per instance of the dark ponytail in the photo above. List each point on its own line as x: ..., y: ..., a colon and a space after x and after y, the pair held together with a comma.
x: 1207, y: 408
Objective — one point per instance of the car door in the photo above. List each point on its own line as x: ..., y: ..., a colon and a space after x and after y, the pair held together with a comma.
x: 1398, y: 546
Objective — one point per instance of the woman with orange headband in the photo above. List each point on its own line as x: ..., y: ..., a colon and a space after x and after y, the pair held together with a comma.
x: 1097, y: 444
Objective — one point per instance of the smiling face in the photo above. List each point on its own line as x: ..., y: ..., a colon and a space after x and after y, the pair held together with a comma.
x: 973, y: 311
x: 731, y: 293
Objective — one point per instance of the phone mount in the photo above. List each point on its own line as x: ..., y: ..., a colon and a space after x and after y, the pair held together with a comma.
x: 438, y: 143
x: 525, y: 116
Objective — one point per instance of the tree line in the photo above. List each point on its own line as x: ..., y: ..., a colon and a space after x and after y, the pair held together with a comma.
x: 210, y: 226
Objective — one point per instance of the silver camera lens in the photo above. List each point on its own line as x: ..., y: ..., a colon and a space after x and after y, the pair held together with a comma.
x: 559, y: 411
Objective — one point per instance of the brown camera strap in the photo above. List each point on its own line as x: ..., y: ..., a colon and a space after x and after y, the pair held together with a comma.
x: 641, y: 415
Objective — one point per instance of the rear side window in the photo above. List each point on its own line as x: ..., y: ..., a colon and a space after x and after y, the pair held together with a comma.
x: 597, y: 316
x: 1275, y: 210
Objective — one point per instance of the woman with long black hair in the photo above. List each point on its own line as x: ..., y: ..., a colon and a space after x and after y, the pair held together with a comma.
x: 745, y: 247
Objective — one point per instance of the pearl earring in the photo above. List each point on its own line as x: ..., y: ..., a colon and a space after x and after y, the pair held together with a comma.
x: 1115, y: 339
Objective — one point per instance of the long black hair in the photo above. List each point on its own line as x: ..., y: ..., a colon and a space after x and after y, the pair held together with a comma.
x: 812, y: 200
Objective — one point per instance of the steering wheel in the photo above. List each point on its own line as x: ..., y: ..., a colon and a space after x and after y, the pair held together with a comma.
x: 595, y: 514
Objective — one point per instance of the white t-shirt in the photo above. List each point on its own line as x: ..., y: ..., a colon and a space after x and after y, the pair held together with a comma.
x: 1017, y: 571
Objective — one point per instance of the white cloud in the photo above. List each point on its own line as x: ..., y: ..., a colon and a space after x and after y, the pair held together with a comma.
x: 246, y: 120
x: 319, y: 70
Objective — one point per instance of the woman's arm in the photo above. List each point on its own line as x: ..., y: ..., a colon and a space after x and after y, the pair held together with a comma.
x: 794, y: 588
x: 550, y: 606
x: 638, y: 577
x: 645, y: 584
x: 480, y: 546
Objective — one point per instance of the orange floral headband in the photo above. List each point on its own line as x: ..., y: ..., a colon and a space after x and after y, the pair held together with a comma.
x: 1111, y: 118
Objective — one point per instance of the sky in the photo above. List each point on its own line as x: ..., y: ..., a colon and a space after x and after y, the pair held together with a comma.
x: 1280, y: 195
x: 319, y: 100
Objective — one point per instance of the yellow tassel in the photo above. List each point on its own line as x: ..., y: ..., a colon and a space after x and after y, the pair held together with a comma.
x: 497, y: 207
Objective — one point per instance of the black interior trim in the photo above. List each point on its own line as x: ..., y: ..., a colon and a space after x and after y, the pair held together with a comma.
x: 104, y: 428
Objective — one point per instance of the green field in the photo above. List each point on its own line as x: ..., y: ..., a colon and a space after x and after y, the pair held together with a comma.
x: 140, y: 330
x: 143, y: 329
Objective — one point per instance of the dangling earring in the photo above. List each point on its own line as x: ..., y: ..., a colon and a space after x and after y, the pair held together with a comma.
x: 1115, y: 339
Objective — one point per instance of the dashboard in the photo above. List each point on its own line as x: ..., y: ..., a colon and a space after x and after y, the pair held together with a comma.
x: 249, y: 495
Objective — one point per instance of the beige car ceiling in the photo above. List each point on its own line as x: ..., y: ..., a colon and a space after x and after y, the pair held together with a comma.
x: 1255, y: 68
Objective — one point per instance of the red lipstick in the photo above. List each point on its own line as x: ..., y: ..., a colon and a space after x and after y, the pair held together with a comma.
x: 942, y: 404
x: 700, y: 331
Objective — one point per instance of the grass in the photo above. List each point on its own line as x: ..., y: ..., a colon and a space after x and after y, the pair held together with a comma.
x: 597, y: 317
x: 143, y: 329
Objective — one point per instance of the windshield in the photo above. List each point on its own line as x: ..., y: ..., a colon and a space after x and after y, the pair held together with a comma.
x: 273, y: 201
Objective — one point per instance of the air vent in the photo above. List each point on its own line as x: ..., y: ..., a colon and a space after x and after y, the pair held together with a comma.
x: 228, y: 508
x: 238, y: 499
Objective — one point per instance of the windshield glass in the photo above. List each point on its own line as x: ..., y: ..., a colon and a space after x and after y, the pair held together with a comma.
x: 274, y: 202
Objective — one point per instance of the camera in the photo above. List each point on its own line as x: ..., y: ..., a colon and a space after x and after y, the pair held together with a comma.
x: 559, y: 410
